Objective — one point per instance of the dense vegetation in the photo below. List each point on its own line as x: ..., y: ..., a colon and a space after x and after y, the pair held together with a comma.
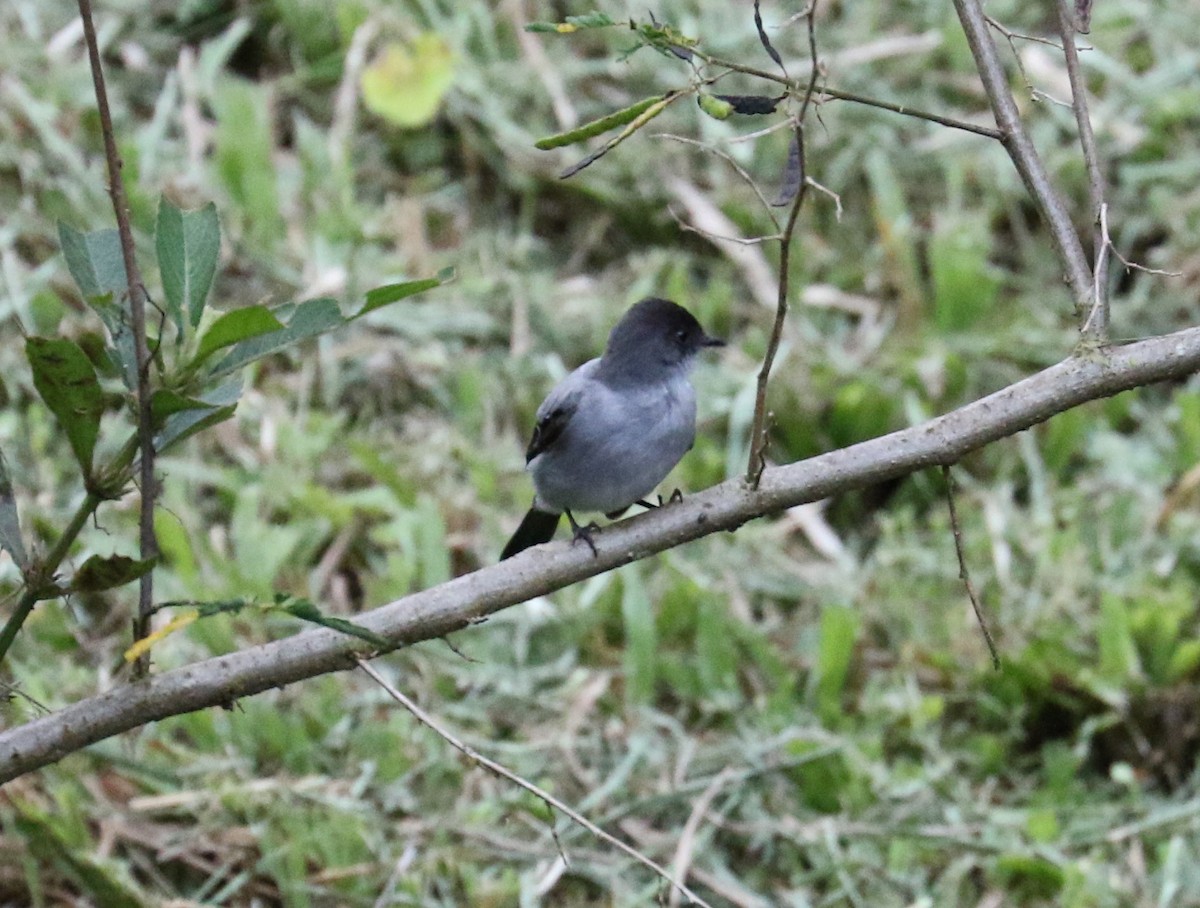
x: 816, y: 682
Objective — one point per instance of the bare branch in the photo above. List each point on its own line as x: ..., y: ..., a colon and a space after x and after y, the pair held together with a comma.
x: 503, y: 772
x: 469, y: 599
x: 1024, y: 155
x: 137, y: 318
x: 963, y: 574
x: 1096, y: 326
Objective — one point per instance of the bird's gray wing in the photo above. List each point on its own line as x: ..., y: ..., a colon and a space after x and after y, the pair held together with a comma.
x: 556, y: 410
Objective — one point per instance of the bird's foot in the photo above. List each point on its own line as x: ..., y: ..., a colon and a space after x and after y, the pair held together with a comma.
x: 584, y: 532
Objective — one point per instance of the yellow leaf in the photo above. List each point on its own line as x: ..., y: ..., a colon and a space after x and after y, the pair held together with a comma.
x: 183, y: 619
x: 405, y: 83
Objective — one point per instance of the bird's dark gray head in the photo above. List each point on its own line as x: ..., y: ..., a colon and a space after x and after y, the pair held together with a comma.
x: 654, y: 335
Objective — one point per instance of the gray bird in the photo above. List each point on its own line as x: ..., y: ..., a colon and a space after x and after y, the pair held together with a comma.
x: 612, y: 430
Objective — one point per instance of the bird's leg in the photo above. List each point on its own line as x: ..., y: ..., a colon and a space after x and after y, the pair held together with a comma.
x: 584, y: 533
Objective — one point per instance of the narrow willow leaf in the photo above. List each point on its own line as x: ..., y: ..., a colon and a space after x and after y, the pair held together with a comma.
x: 598, y: 127
x: 220, y: 404
x: 393, y: 293
x: 10, y: 524
x: 641, y: 120
x: 104, y: 572
x: 237, y: 325
x: 308, y: 319
x: 188, y: 244
x: 64, y: 377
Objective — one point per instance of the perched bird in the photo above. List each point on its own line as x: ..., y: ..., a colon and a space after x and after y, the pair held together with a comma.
x: 611, y: 431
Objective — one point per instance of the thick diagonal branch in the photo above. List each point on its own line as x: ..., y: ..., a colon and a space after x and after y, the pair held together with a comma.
x: 470, y: 599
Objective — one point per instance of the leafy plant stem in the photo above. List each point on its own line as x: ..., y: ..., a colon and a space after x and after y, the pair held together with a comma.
x: 137, y: 309
x: 41, y: 583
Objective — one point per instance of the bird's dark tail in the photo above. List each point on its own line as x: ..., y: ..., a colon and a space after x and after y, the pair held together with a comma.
x: 536, y: 528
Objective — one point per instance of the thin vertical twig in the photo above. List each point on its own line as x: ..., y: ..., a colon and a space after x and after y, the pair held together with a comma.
x: 1096, y: 325
x: 963, y: 574
x: 1024, y: 154
x: 492, y: 766
x: 758, y: 427
x: 137, y: 318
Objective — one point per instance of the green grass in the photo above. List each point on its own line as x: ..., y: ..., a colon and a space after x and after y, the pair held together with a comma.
x: 863, y: 751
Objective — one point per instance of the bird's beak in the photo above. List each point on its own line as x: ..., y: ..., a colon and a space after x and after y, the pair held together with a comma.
x: 712, y: 342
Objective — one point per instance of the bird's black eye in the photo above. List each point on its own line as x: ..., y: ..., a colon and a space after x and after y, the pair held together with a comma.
x: 681, y: 335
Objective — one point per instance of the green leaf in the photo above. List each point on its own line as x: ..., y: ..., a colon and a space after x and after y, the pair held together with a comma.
x: 221, y: 404
x: 244, y: 154
x: 1119, y: 662
x: 65, y: 379
x: 123, y: 352
x: 965, y: 284
x: 405, y: 83
x: 102, y: 572
x: 839, y: 627
x: 235, y: 326
x: 309, y: 318
x: 10, y: 524
x: 306, y: 611
x: 393, y: 293
x: 94, y: 260
x: 641, y: 637
x: 188, y: 243
x: 164, y: 402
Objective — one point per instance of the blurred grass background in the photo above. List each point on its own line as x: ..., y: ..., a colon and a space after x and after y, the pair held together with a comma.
x: 817, y: 678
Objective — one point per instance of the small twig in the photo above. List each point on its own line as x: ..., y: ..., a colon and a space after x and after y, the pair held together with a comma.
x: 1024, y: 154
x: 1012, y: 35
x: 738, y: 169
x: 1096, y: 325
x: 758, y: 435
x: 137, y: 318
x: 1128, y: 265
x: 458, y: 652
x: 825, y: 190
x: 718, y: 238
x: 550, y: 800
x: 963, y: 574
